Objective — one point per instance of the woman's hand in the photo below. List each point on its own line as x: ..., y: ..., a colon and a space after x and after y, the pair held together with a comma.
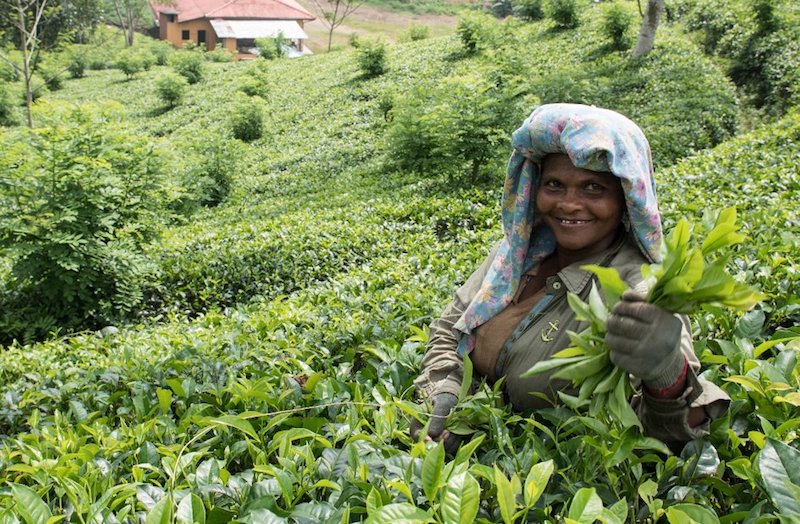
x: 443, y: 404
x: 645, y: 341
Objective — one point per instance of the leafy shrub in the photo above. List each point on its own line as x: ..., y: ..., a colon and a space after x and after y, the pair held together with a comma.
x: 10, y: 69
x: 564, y: 13
x: 724, y: 25
x: 131, y: 61
x: 476, y: 31
x: 7, y: 105
x: 246, y: 119
x: 76, y: 60
x: 52, y: 71
x: 84, y: 194
x: 682, y: 101
x: 220, y: 55
x: 271, y: 48
x: 530, y: 10
x: 616, y: 26
x: 161, y: 51
x: 501, y: 8
x: 416, y: 32
x: 208, y: 163
x: 452, y: 130
x: 188, y: 63
x: 171, y: 88
x: 371, y: 59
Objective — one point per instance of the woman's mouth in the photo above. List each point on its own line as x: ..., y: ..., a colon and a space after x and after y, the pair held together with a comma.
x: 572, y: 222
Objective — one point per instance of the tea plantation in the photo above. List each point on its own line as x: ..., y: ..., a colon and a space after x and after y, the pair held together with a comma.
x: 246, y: 351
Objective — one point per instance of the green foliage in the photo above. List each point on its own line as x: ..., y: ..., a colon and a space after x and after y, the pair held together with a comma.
x: 246, y: 119
x: 132, y: 61
x: 476, y: 30
x: 220, y: 54
x: 7, y: 104
x: 170, y: 88
x: 188, y: 63
x: 207, y: 165
x: 371, y: 59
x: 453, y: 129
x: 160, y: 49
x: 416, y: 32
x: 681, y: 100
x: 77, y: 60
x: 616, y: 26
x: 271, y: 48
x: 530, y: 10
x: 84, y: 192
x: 565, y: 13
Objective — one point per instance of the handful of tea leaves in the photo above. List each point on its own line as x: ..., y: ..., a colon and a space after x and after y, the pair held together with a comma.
x: 690, y: 275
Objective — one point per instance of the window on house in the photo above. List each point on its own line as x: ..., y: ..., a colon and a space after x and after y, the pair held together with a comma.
x: 201, y: 36
x: 171, y: 18
x: 185, y: 35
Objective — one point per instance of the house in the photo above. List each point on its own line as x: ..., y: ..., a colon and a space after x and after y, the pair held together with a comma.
x: 233, y: 24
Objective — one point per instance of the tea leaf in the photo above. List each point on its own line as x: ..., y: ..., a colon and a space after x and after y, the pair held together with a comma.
x: 191, y: 510
x: 505, y: 496
x: 685, y: 513
x: 610, y: 282
x: 29, y: 504
x: 400, y: 513
x: 432, y: 470
x: 586, y: 506
x: 459, y: 499
x: 779, y: 465
x: 536, y: 482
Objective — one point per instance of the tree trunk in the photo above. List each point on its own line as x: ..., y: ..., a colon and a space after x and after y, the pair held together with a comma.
x: 26, y: 63
x: 647, y: 32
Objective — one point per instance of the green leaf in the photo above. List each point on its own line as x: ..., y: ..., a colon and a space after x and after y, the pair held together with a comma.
x: 548, y: 365
x: 432, y: 470
x: 459, y: 499
x: 233, y: 421
x: 691, y: 514
x: 191, y: 510
x: 374, y: 501
x: 612, y: 285
x: 582, y: 310
x: 505, y: 496
x: 466, y: 381
x: 584, y: 368
x: 466, y: 450
x: 164, y: 399
x: 586, y: 506
x: 161, y: 512
x: 400, y: 513
x: 779, y: 465
x: 29, y: 504
x: 536, y: 482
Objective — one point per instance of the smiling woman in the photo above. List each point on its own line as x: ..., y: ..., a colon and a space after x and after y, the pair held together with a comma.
x: 579, y: 190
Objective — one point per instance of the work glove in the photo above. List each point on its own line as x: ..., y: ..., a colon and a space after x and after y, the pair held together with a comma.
x: 443, y: 404
x: 645, y: 341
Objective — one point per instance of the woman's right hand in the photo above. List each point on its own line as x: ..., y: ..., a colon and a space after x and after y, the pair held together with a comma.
x: 443, y: 404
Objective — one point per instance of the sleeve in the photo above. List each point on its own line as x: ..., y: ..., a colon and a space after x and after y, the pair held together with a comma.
x: 667, y: 419
x: 442, y: 369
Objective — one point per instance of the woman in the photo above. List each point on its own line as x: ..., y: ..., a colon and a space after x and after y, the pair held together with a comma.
x: 579, y: 190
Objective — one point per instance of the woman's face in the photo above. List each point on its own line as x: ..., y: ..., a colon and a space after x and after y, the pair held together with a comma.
x: 583, y: 208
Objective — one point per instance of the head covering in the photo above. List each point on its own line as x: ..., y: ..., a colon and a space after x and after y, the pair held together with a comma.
x: 595, y: 139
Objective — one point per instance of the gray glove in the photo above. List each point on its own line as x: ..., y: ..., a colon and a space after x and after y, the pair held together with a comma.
x: 645, y: 341
x: 443, y: 404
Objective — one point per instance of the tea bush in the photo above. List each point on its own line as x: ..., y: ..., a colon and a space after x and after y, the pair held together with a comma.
x: 371, y: 58
x: 171, y: 88
x: 246, y: 119
x: 616, y: 26
x: 188, y: 63
x: 565, y: 13
x: 476, y: 31
x: 529, y: 10
x: 84, y: 193
x: 271, y: 48
x: 132, y: 61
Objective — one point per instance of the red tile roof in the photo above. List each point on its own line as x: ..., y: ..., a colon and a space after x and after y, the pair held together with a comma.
x: 233, y: 9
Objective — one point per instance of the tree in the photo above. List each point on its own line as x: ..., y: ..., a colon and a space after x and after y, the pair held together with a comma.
x: 334, y: 13
x: 25, y: 17
x: 647, y: 31
x: 129, y: 15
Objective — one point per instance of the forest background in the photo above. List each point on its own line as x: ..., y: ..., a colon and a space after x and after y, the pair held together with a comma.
x: 217, y: 275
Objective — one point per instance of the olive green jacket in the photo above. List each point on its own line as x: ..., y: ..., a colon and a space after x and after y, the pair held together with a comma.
x: 543, y: 332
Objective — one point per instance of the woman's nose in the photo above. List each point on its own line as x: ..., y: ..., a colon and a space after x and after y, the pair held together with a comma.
x: 570, y: 202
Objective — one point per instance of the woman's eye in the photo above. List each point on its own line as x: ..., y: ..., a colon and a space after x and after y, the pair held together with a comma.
x: 552, y: 184
x: 595, y: 188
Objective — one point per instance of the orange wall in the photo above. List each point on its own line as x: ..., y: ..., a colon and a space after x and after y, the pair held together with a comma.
x: 174, y: 31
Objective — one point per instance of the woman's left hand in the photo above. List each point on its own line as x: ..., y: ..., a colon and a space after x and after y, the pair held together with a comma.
x: 645, y: 341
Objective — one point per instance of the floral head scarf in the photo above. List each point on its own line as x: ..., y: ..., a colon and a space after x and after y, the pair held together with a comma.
x: 595, y: 139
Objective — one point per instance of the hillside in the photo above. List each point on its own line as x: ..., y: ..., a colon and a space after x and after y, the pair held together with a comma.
x: 268, y: 374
